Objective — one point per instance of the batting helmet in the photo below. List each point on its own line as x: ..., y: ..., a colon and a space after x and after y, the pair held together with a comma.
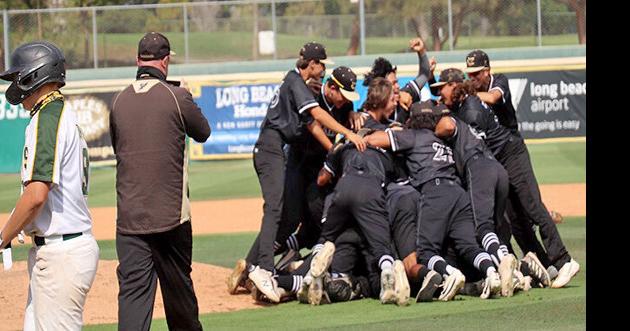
x: 33, y: 65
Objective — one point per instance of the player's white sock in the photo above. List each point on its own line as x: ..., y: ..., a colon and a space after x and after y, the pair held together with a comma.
x: 386, y: 262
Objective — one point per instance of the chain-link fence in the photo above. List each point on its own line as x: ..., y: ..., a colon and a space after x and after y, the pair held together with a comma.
x: 241, y: 30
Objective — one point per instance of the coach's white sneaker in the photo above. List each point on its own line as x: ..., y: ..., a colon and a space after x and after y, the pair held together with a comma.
x: 237, y: 277
x: 537, y: 269
x: 492, y: 285
x: 388, y: 281
x: 430, y: 284
x: 565, y: 274
x: 401, y: 286
x: 321, y: 261
x: 506, y: 272
x: 452, y: 284
x: 265, y: 283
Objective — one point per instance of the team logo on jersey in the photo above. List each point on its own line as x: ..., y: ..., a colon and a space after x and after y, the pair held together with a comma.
x: 92, y: 115
x: 276, y: 97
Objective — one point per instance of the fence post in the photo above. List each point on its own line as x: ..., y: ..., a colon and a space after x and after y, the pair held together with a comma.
x: 450, y: 25
x: 94, y: 38
x: 539, y: 23
x: 273, y: 27
x: 362, y: 24
x: 185, y: 9
x: 5, y: 23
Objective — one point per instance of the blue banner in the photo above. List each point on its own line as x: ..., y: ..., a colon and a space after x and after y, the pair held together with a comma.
x: 236, y: 111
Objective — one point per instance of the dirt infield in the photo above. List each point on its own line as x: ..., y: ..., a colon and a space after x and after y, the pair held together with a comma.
x: 101, y: 306
x: 242, y: 215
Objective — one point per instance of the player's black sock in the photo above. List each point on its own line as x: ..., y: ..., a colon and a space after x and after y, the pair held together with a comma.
x: 491, y: 244
x: 483, y: 262
x: 290, y: 283
x: 438, y: 264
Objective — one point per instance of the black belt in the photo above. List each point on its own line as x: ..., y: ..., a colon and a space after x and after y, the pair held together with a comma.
x: 41, y: 241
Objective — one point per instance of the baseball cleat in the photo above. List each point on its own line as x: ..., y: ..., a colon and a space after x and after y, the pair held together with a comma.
x: 265, y: 283
x: 565, y: 274
x: 538, y: 272
x: 523, y: 283
x: 388, y: 281
x: 492, y: 285
x: 316, y: 293
x: 451, y: 286
x: 321, y: 261
x: 401, y: 286
x: 506, y: 271
x: 430, y: 284
x: 237, y: 278
x: 302, y: 294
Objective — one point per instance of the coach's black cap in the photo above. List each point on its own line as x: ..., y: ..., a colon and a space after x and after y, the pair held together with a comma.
x: 154, y: 46
x: 449, y: 75
x: 477, y: 60
x: 346, y: 80
x: 314, y: 51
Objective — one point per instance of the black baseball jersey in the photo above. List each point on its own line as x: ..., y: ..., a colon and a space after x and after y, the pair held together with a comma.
x: 503, y: 108
x: 428, y: 157
x: 413, y: 87
x: 482, y: 119
x: 373, y: 162
x: 401, y: 173
x: 466, y: 142
x: 307, y: 148
x: 292, y: 100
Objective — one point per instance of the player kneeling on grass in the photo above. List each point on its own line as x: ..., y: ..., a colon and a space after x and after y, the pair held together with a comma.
x: 445, y: 210
x: 359, y: 194
x: 53, y: 207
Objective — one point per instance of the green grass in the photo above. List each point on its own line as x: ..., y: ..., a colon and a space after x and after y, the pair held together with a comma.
x: 561, y: 309
x: 237, y: 45
x: 209, y: 180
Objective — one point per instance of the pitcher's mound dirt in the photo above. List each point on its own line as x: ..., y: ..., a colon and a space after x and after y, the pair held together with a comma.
x: 102, y: 301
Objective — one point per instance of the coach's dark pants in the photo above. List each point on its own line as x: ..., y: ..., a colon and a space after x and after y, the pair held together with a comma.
x: 526, y: 200
x: 143, y: 259
x: 488, y: 187
x: 269, y: 163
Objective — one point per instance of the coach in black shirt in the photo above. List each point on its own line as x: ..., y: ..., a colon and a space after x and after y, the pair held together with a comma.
x: 284, y: 123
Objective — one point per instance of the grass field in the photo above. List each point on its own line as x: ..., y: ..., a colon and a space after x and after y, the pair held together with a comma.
x: 554, y: 163
x: 538, y: 309
x: 229, y: 46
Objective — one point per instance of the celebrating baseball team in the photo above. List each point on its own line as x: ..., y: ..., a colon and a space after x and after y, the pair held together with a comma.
x: 410, y: 198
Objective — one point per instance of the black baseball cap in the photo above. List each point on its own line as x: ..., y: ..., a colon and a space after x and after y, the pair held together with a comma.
x: 449, y: 75
x: 154, y: 46
x: 429, y: 106
x: 477, y: 60
x: 314, y: 51
x: 346, y: 80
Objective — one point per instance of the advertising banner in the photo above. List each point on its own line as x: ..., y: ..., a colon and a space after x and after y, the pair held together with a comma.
x: 550, y: 104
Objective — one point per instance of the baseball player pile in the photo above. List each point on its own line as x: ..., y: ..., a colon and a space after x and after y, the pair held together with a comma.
x: 409, y: 198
